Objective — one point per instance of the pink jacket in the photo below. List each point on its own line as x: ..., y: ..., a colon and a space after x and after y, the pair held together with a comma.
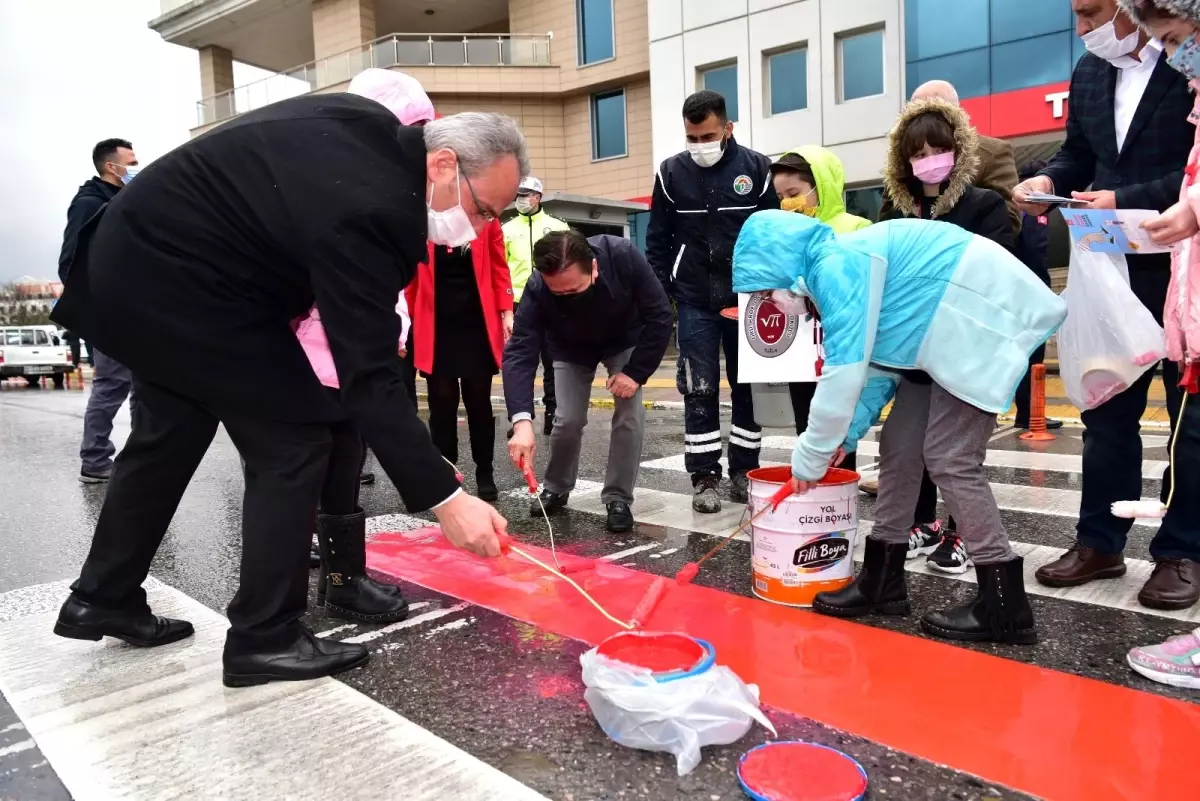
x: 1181, y: 318
x: 312, y: 338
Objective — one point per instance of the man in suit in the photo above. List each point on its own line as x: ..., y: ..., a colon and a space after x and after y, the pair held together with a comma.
x: 213, y: 252
x: 997, y: 164
x: 1128, y: 139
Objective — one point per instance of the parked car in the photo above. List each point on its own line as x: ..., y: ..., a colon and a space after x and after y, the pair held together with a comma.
x: 30, y: 352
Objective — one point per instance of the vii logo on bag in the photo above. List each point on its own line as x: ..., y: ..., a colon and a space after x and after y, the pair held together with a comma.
x: 821, y: 553
x: 769, y: 330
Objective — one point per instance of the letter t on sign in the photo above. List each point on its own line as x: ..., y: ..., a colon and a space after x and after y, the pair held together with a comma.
x: 1057, y: 99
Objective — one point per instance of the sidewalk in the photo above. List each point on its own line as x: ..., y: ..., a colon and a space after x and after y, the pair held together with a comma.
x: 660, y: 392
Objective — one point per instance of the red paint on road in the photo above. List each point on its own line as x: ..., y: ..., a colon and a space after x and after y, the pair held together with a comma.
x: 1046, y: 733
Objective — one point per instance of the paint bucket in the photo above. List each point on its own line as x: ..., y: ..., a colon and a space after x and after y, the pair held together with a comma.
x: 669, y: 656
x: 800, y: 771
x: 806, y: 544
x: 773, y: 406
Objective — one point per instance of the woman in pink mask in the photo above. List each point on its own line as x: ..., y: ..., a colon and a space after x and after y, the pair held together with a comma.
x: 343, y: 588
x: 933, y: 156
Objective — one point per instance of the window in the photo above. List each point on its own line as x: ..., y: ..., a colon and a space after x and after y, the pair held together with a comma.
x: 939, y: 27
x: 787, y: 80
x: 12, y: 337
x: 639, y: 222
x: 1031, y: 62
x: 608, y: 125
x: 1024, y: 19
x: 970, y: 72
x: 866, y: 202
x: 26, y: 336
x: 724, y: 81
x: 860, y: 58
x: 42, y: 339
x: 595, y: 18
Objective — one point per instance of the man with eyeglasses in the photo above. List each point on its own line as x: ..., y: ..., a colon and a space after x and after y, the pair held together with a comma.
x: 195, y: 276
x: 115, y: 164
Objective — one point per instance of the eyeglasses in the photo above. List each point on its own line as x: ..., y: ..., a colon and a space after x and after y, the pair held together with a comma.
x: 485, y: 214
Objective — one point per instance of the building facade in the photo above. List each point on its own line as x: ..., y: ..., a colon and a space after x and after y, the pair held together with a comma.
x: 573, y: 73
x: 836, y: 72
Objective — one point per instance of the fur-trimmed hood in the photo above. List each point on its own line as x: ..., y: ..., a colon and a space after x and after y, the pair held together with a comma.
x: 1185, y: 9
x: 897, y: 176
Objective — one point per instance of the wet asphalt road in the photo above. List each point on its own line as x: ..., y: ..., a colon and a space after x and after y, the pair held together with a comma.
x: 505, y: 691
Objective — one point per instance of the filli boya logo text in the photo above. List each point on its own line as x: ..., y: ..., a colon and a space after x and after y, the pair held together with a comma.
x: 821, y: 553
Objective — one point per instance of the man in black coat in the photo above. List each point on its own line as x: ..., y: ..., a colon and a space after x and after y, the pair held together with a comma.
x: 1128, y: 138
x: 193, y: 277
x: 702, y: 197
x: 116, y: 164
x: 589, y: 302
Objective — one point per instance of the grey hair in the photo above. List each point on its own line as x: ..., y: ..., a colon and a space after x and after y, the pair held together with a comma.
x: 478, y: 138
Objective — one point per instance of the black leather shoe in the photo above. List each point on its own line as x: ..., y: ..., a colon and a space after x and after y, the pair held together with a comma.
x: 309, y: 657
x: 878, y: 587
x: 487, y: 487
x: 620, y: 519
x: 552, y: 503
x: 999, y: 613
x: 314, y: 558
x: 79, y: 620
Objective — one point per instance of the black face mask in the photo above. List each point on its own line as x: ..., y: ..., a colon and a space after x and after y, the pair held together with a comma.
x: 577, y: 302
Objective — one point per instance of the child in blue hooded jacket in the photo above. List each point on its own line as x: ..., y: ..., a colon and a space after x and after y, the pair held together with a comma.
x: 899, y: 296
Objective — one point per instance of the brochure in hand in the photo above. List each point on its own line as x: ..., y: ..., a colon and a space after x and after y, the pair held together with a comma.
x: 1112, y: 230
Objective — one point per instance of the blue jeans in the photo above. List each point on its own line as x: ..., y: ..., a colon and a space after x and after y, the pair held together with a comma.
x: 702, y: 335
x: 111, y: 385
x: 1112, y: 471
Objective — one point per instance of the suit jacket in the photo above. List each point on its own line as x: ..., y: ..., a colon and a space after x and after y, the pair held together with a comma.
x: 1148, y: 170
x: 193, y: 274
x: 997, y: 171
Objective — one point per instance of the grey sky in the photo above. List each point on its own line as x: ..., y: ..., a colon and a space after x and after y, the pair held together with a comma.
x: 73, y: 72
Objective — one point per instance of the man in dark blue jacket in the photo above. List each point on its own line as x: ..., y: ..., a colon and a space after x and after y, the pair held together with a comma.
x: 1032, y: 247
x: 115, y: 164
x: 591, y: 301
x: 1128, y: 138
x: 701, y: 199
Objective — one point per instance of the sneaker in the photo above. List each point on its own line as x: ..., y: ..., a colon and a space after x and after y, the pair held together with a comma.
x: 95, y: 476
x: 950, y: 556
x: 705, y: 499
x: 924, y: 539
x: 1175, y: 662
x: 552, y: 503
x: 739, y: 488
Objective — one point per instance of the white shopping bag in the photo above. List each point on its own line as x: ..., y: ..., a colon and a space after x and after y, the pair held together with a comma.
x: 1109, y: 338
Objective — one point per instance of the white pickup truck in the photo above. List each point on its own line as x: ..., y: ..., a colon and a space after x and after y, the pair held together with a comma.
x: 34, y: 352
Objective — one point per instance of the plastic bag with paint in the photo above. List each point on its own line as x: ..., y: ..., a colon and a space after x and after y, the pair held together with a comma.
x: 711, y: 706
x: 1109, y: 338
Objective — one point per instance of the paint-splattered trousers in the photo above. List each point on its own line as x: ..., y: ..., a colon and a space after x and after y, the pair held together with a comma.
x: 928, y: 428
x: 702, y: 336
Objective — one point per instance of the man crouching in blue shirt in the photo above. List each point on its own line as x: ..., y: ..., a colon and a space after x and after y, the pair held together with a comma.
x: 592, y: 301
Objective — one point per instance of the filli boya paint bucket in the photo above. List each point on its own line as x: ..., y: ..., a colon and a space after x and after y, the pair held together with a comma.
x: 806, y: 544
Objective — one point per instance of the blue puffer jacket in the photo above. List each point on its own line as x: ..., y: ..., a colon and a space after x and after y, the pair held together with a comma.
x: 899, y: 295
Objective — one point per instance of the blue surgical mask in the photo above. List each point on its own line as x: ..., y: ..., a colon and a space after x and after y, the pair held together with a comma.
x: 131, y: 171
x: 1186, y: 58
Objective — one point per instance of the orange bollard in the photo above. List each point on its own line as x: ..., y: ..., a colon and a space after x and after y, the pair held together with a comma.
x: 79, y: 375
x: 1037, y: 407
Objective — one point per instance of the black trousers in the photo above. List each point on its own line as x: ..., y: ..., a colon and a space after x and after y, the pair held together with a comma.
x: 285, y: 469
x: 802, y: 395
x: 476, y: 396
x: 347, y: 457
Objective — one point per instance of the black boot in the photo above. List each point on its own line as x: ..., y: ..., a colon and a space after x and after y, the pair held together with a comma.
x: 548, y: 424
x: 999, y: 613
x: 349, y: 594
x: 483, y: 448
x: 878, y: 587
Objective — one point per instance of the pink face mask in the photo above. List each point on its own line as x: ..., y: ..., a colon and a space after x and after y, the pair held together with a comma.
x: 933, y: 169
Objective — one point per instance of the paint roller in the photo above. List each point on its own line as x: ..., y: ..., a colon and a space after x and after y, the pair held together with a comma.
x: 687, y: 573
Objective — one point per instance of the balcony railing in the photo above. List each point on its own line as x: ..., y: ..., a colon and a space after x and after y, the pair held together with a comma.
x: 393, y: 50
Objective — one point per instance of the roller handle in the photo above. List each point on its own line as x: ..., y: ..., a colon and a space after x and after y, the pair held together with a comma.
x: 530, y: 478
x: 781, y: 495
x: 1190, y: 382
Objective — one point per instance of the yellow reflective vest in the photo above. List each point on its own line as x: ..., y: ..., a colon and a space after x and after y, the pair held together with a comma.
x: 521, y: 233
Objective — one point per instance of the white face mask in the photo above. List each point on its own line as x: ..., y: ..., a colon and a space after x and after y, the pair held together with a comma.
x: 451, y: 227
x: 524, y: 204
x: 1103, y: 42
x: 706, y: 154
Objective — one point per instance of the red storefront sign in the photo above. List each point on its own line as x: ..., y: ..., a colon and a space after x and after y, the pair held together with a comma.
x: 1041, y: 109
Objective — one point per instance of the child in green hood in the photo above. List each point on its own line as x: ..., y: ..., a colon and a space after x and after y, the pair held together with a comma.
x: 811, y: 180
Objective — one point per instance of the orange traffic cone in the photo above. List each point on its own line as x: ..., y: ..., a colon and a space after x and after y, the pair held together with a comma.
x: 1037, y: 407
